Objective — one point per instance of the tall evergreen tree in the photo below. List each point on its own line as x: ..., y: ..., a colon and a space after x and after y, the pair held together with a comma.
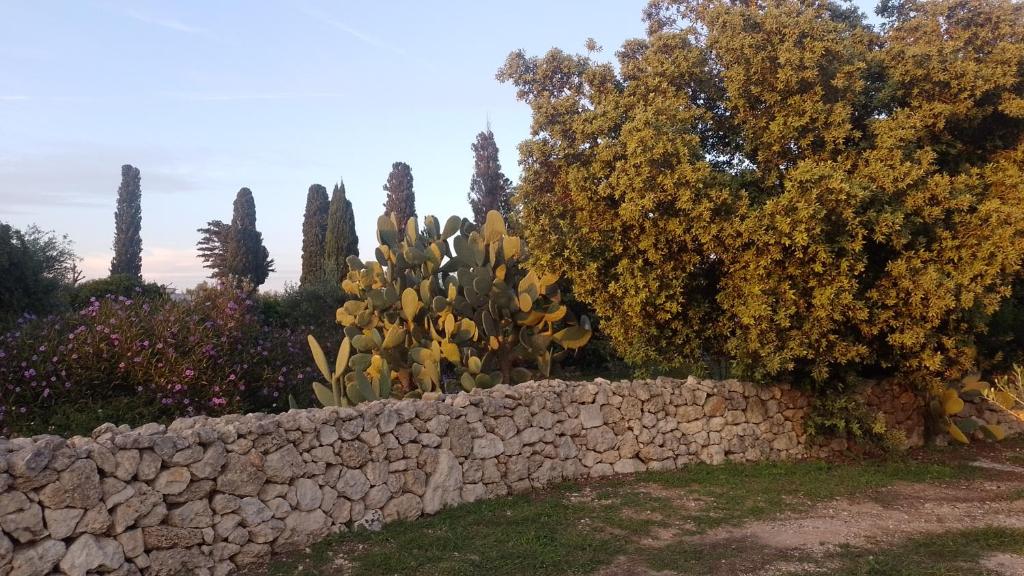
x: 401, y: 200
x: 247, y: 259
x: 314, y: 236
x: 489, y: 189
x: 342, y: 240
x: 128, y: 225
x: 212, y: 248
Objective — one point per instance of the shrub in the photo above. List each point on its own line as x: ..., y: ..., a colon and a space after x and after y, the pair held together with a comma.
x: 846, y: 416
x: 209, y: 354
x: 35, y: 268
x: 115, y: 285
x: 309, y: 306
x: 781, y: 184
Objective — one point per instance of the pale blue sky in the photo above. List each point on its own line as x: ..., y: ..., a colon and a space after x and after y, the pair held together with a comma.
x: 208, y: 96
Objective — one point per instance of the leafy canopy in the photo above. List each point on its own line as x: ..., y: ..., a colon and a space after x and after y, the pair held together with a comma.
x: 779, y: 183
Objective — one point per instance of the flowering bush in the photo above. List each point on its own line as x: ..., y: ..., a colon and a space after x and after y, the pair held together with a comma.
x: 209, y: 354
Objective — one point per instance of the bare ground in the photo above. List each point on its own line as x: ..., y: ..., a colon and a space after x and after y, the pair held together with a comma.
x: 803, y: 543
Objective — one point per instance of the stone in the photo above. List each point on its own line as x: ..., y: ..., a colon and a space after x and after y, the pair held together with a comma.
x: 354, y: 454
x: 29, y: 461
x: 240, y: 476
x: 196, y: 490
x: 90, y: 553
x: 253, y: 511
x: 149, y: 465
x: 353, y: 484
x: 178, y: 562
x: 6, y: 552
x: 96, y: 520
x: 444, y: 485
x: 195, y: 514
x: 132, y: 542
x: 601, y: 439
x: 373, y: 521
x: 251, y: 555
x: 172, y: 480
x: 224, y: 503
x: 307, y: 494
x: 127, y: 464
x: 266, y: 531
x: 164, y: 537
x: 405, y: 507
x: 81, y: 482
x: 60, y: 523
x: 591, y: 416
x: 715, y: 406
x: 37, y: 559
x: 24, y: 525
x: 756, y: 411
x: 461, y: 441
x: 153, y: 517
x: 211, y: 463
x: 377, y: 496
x: 487, y: 446
x: 283, y: 464
x: 103, y: 458
x: 143, y: 502
x: 13, y: 502
x: 302, y: 529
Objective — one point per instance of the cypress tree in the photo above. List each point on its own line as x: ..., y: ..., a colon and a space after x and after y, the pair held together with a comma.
x: 247, y: 259
x: 401, y: 200
x: 314, y: 236
x: 128, y: 225
x: 489, y: 189
x: 342, y: 240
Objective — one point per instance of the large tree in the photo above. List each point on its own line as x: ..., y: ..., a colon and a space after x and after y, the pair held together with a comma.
x: 314, y: 236
x: 212, y: 247
x: 128, y: 225
x: 489, y: 189
x: 35, y: 265
x: 401, y: 200
x: 247, y: 261
x: 780, y: 184
x: 342, y: 240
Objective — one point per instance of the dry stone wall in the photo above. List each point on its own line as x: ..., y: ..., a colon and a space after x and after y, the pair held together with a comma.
x: 211, y: 496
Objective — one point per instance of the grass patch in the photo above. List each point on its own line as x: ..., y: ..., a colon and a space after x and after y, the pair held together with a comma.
x: 954, y: 553
x: 503, y: 537
x: 573, y: 529
x: 740, y: 492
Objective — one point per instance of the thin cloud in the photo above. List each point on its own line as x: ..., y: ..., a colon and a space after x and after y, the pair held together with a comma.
x: 171, y: 24
x: 13, y: 98
x: 83, y: 176
x: 197, y: 97
x: 363, y: 37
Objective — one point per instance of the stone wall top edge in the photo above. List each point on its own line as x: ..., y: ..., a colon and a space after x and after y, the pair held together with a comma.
x: 208, y: 429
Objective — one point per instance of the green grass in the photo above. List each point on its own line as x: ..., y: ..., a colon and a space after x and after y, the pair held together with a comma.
x: 954, y: 553
x: 574, y: 529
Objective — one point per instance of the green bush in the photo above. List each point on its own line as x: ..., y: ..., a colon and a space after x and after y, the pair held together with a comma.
x: 116, y: 285
x: 36, y: 268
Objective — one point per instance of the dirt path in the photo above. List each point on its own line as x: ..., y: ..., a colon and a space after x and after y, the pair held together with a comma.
x: 801, y: 543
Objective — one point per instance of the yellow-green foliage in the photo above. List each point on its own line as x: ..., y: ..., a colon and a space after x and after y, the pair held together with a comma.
x: 425, y: 303
x: 779, y: 183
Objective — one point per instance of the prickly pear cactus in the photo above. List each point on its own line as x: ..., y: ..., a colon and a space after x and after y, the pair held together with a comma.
x: 948, y: 403
x: 455, y: 296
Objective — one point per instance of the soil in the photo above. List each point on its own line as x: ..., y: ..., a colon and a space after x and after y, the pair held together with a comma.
x: 783, y: 545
